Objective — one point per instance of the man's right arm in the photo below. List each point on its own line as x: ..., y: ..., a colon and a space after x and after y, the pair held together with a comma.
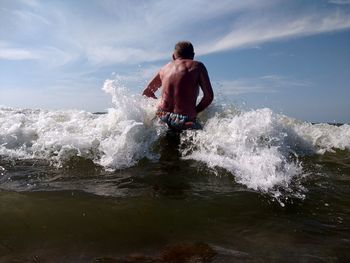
x: 153, y: 86
x: 208, y: 94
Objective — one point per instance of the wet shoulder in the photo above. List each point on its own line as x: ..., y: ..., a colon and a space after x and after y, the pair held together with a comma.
x: 194, y: 64
x: 166, y: 68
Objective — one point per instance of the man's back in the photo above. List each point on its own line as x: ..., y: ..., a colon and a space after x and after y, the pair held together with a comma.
x: 180, y: 81
x: 180, y: 86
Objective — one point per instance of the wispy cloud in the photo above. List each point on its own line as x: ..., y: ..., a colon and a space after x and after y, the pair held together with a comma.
x: 106, y: 55
x: 136, y: 79
x: 126, y: 32
x: 267, y: 29
x: 340, y: 2
x: 17, y: 54
x: 50, y: 56
x: 33, y: 3
x: 263, y: 84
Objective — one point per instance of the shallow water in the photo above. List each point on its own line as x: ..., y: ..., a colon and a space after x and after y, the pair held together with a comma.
x: 81, y: 213
x: 252, y: 186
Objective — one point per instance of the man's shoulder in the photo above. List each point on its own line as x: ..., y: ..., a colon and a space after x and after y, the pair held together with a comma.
x: 165, y: 67
x: 189, y: 63
x: 198, y: 63
x: 193, y: 63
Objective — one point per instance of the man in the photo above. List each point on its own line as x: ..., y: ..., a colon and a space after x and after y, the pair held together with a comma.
x: 180, y: 80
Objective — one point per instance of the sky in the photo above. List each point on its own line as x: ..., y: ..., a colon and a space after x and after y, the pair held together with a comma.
x: 290, y: 56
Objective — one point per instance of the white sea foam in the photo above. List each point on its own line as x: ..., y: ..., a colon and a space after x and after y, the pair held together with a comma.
x: 114, y: 140
x: 249, y: 144
x: 259, y: 147
x: 321, y: 137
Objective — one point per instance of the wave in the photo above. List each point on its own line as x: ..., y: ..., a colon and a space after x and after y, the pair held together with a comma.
x: 262, y: 149
x: 114, y: 140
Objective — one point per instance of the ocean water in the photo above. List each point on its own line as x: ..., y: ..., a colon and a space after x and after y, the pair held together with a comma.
x: 252, y: 186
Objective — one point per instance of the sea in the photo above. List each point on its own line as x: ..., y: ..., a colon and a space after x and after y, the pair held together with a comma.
x: 251, y: 186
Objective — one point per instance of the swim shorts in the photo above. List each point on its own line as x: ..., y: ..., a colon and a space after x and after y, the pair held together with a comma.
x: 178, y: 121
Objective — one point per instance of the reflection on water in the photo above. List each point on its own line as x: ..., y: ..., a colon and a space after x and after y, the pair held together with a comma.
x: 254, y: 193
x: 83, y: 213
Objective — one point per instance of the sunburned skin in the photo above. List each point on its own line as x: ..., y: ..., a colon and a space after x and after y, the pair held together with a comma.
x: 180, y: 81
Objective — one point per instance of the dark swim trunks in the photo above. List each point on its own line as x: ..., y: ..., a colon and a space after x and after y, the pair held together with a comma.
x: 178, y: 121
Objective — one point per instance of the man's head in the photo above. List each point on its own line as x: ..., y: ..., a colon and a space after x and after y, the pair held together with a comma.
x: 183, y: 49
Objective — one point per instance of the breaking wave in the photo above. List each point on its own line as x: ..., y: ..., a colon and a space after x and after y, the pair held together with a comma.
x: 260, y: 148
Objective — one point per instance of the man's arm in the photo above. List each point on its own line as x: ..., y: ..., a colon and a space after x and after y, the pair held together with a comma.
x: 208, y: 94
x: 153, y: 86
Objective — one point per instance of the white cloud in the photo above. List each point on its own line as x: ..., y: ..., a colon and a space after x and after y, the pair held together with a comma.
x: 68, y: 92
x: 340, y: 2
x: 139, y: 36
x: 33, y: 3
x: 267, y: 29
x: 50, y: 56
x: 17, y: 54
x: 29, y: 17
x: 263, y: 84
x: 105, y: 55
x: 137, y: 79
x: 123, y: 32
x: 236, y: 87
x: 279, y: 81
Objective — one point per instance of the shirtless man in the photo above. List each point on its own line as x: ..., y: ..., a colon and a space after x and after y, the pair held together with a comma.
x: 180, y: 80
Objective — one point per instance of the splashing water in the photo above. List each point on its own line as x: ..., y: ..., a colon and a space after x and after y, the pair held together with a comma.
x: 259, y: 147
x: 114, y: 140
x: 251, y: 145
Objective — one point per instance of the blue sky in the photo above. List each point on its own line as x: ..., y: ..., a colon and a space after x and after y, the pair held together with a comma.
x: 291, y: 56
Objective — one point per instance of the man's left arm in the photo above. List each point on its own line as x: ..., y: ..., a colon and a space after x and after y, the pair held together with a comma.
x: 153, y: 86
x: 208, y: 94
